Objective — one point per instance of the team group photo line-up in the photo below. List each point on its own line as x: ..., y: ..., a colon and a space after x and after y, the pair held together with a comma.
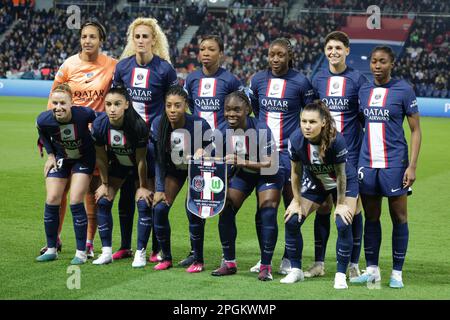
x: 334, y: 144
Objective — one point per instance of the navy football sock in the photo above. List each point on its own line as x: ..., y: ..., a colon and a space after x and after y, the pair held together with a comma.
x: 197, y: 234
x: 80, y: 224
x: 400, y: 235
x: 321, y: 234
x: 144, y: 224
x: 105, y: 221
x: 343, y: 244
x: 269, y: 234
x: 162, y: 228
x: 294, y: 241
x: 228, y: 233
x: 258, y: 225
x: 126, y: 212
x: 155, y: 243
x: 51, y: 224
x: 357, y: 230
x: 372, y: 242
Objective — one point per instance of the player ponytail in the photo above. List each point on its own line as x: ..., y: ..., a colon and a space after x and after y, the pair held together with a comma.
x: 329, y: 131
x: 134, y: 127
x: 287, y: 44
x: 165, y: 129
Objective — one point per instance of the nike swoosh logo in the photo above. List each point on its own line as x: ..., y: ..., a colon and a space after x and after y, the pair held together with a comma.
x: 138, y: 84
x: 83, y: 168
x: 334, y: 92
x: 395, y: 190
x: 269, y: 184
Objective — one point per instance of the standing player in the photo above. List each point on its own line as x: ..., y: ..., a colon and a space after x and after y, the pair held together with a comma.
x: 121, y: 139
x: 146, y: 72
x: 89, y: 74
x: 277, y: 96
x: 248, y: 176
x: 384, y: 169
x: 65, y: 135
x: 207, y: 88
x: 321, y: 151
x: 174, y: 134
x: 338, y: 87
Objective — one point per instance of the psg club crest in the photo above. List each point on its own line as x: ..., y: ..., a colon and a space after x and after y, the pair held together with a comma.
x: 207, y: 187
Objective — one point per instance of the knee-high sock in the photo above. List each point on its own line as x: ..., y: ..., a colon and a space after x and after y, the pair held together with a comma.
x: 126, y: 212
x: 197, y: 235
x: 294, y: 241
x: 62, y: 211
x: 144, y: 224
x: 400, y: 235
x: 269, y: 234
x: 258, y: 225
x: 162, y: 228
x: 228, y: 233
x: 91, y: 211
x: 344, y: 244
x: 105, y: 221
x: 80, y: 224
x: 372, y: 242
x: 155, y: 243
x: 321, y: 234
x: 357, y: 231
x: 51, y: 223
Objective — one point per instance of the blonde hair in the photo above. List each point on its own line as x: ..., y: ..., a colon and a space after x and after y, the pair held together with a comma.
x: 161, y: 47
x: 64, y: 88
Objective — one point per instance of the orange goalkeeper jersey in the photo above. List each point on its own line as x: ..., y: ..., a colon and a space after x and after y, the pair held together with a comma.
x: 89, y: 81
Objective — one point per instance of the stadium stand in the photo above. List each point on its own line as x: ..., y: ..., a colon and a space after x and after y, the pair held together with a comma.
x: 421, y: 43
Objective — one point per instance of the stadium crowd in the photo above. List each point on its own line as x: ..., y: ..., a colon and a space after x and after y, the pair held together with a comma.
x: 247, y: 40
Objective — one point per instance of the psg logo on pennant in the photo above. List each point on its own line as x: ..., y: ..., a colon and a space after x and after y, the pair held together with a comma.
x: 207, y: 187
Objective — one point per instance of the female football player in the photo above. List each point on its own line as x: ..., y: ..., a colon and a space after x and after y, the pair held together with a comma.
x: 277, y: 95
x: 121, y: 139
x: 321, y: 152
x: 249, y: 153
x: 65, y: 134
x: 89, y: 73
x: 384, y: 167
x: 174, y: 134
x: 146, y: 71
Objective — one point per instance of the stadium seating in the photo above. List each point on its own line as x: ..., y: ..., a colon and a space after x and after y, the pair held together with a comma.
x: 247, y: 30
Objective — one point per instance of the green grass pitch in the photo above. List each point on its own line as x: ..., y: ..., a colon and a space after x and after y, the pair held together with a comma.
x: 426, y: 271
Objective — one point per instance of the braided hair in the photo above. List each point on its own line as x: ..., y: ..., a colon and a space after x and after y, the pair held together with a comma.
x: 328, y: 133
x: 287, y: 44
x: 240, y: 94
x: 165, y: 129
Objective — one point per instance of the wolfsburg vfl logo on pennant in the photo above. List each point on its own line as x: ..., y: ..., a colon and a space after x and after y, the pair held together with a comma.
x: 207, y: 187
